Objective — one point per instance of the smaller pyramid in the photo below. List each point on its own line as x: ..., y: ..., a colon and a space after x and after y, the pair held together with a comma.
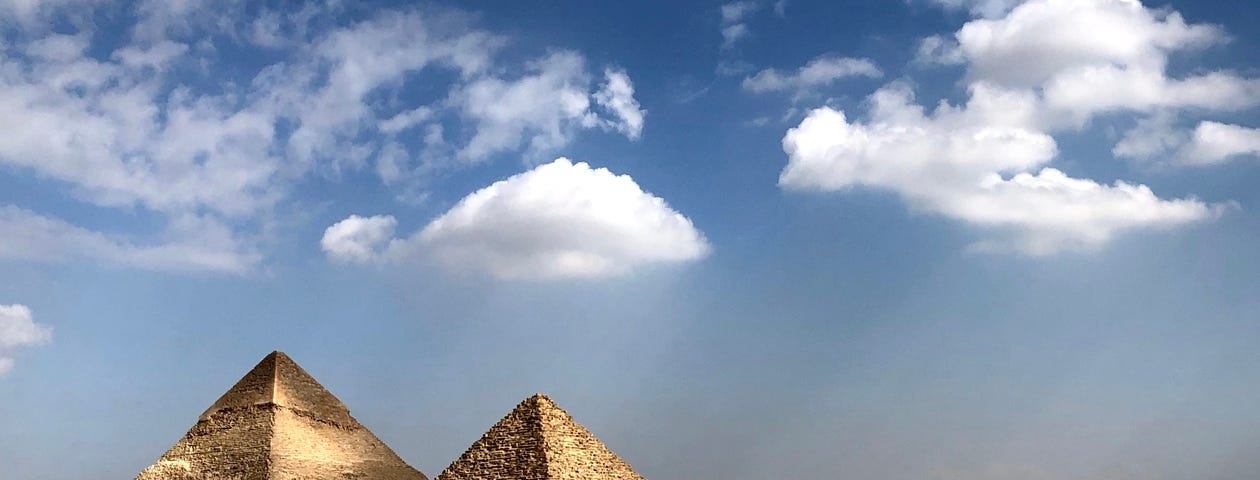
x: 538, y: 441
x: 278, y: 423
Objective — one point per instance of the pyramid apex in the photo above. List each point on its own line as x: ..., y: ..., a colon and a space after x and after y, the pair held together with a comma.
x: 540, y: 397
x: 279, y: 381
x: 277, y: 357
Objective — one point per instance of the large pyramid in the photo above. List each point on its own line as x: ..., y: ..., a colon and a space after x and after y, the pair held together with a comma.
x: 278, y: 423
x: 538, y: 441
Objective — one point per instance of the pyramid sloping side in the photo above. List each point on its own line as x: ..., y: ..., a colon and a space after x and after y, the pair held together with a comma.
x: 573, y: 453
x: 511, y: 449
x: 539, y: 440
x: 256, y: 388
x: 233, y: 445
x: 278, y: 423
x: 297, y: 390
x: 303, y: 448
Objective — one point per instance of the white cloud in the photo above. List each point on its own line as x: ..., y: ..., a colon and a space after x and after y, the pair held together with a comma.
x: 956, y: 162
x: 406, y: 120
x: 543, y: 108
x: 820, y: 71
x: 903, y: 149
x: 114, y: 134
x: 359, y: 239
x: 1049, y: 212
x: 1091, y: 57
x: 617, y: 96
x: 1041, y: 39
x: 156, y: 56
x: 939, y: 50
x: 392, y: 163
x: 327, y: 92
x: 736, y: 11
x: 1215, y: 142
x: 1159, y: 139
x: 30, y: 13
x: 159, y: 19
x: 1089, y: 91
x: 1151, y: 138
x: 561, y: 220
x: 732, y: 34
x: 190, y: 244
x: 733, y: 27
x: 18, y: 330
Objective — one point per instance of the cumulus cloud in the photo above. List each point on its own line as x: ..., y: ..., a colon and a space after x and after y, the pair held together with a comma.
x: 1049, y: 212
x: 559, y: 220
x: 1041, y: 39
x: 18, y: 330
x: 1090, y: 91
x: 1089, y: 57
x: 359, y: 239
x: 820, y: 71
x: 983, y: 163
x: 1034, y: 69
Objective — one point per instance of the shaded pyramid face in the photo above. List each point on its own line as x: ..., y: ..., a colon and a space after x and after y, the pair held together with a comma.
x: 538, y: 441
x: 278, y: 423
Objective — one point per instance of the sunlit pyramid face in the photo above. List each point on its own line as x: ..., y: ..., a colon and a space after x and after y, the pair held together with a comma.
x: 279, y: 423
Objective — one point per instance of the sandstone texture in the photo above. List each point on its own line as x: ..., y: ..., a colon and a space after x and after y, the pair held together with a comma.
x: 538, y: 441
x: 278, y: 423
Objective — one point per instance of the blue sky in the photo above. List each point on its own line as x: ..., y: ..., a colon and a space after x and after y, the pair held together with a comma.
x: 924, y: 239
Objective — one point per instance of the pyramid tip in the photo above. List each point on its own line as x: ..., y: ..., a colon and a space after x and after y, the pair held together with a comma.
x: 540, y: 401
x: 277, y: 356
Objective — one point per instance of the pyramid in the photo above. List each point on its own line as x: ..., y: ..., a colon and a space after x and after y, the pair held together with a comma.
x: 538, y: 441
x: 278, y: 423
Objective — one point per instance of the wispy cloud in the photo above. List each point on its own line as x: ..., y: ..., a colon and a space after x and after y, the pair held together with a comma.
x: 819, y: 72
